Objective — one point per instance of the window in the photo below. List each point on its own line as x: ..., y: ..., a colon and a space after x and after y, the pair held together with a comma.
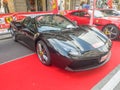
x: 53, y: 23
x: 81, y: 14
x: 31, y: 25
x: 26, y: 21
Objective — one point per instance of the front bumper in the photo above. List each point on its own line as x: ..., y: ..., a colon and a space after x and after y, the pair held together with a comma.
x: 79, y: 65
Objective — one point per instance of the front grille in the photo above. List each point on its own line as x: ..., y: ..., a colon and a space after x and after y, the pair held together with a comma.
x: 84, y: 64
x: 89, y: 63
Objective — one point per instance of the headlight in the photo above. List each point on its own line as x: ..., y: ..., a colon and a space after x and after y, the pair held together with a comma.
x: 71, y: 50
x: 74, y: 53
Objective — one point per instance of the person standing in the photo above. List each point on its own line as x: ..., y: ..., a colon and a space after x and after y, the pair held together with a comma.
x: 5, y: 5
x: 85, y: 5
x: 82, y: 4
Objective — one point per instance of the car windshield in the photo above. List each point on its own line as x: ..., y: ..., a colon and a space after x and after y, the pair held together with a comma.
x: 98, y: 14
x: 53, y: 23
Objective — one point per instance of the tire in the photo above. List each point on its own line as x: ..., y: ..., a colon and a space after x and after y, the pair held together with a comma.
x: 13, y: 34
x: 43, y: 53
x: 111, y: 31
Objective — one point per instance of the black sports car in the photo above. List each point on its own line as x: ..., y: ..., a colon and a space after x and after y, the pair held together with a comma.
x: 58, y: 40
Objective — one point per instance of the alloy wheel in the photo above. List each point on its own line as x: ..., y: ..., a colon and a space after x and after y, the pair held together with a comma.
x: 111, y: 31
x: 43, y: 53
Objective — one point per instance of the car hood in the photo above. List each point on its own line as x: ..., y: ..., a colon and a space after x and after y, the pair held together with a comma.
x: 78, y: 39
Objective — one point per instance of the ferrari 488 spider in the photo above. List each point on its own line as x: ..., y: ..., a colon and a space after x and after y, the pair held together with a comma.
x: 58, y: 40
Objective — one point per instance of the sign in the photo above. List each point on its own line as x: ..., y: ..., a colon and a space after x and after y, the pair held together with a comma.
x: 55, y: 6
x: 109, y: 3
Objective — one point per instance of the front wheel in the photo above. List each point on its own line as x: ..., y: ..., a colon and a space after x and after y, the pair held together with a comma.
x: 111, y: 31
x: 43, y: 53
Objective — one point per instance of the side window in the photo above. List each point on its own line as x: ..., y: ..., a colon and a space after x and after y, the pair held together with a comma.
x: 44, y: 20
x: 26, y: 21
x: 76, y: 14
x: 60, y: 22
x: 40, y: 20
x: 31, y: 25
x: 80, y: 14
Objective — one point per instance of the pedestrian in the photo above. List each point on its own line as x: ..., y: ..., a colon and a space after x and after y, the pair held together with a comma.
x: 82, y: 4
x: 85, y: 5
x: 5, y: 5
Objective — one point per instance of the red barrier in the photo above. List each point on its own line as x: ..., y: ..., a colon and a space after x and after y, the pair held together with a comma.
x: 5, y: 19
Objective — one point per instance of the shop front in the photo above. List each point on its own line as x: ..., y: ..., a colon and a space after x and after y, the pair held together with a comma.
x: 37, y: 5
x: 4, y: 6
x: 10, y: 6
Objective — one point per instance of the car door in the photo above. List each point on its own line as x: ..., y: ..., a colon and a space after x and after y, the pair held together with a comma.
x: 17, y: 28
x: 30, y: 32
x: 82, y: 17
x: 23, y: 30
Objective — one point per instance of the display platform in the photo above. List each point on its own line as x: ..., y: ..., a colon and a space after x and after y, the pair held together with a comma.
x: 25, y: 72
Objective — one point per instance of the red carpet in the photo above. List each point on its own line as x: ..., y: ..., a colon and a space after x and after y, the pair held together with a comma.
x: 29, y: 74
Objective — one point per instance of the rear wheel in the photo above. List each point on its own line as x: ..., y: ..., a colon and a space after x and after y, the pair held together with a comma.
x: 111, y: 31
x: 43, y: 53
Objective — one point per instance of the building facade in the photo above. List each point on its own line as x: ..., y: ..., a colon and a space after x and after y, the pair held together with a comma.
x: 41, y: 5
x: 23, y: 5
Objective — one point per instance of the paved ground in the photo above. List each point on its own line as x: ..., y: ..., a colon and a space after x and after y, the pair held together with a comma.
x: 10, y: 50
x: 110, y: 82
x: 5, y: 34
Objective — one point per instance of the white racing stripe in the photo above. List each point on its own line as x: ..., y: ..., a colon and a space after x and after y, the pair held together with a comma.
x: 112, y: 83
